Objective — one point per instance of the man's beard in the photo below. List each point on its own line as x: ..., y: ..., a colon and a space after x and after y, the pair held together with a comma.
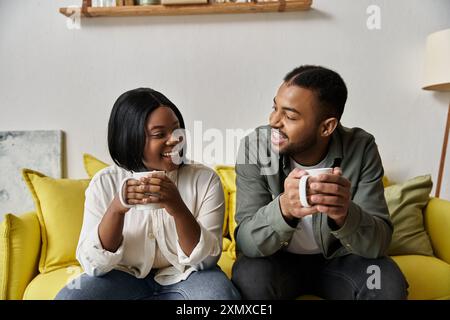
x: 295, y: 149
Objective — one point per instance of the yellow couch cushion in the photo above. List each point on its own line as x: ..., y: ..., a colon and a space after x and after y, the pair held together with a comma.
x: 228, y: 177
x: 59, y: 205
x: 437, y: 222
x: 428, y: 277
x: 47, y: 285
x: 19, y: 251
x: 226, y: 263
x: 406, y: 203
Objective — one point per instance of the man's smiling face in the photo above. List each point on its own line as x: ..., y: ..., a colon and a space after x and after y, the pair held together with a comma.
x: 294, y: 120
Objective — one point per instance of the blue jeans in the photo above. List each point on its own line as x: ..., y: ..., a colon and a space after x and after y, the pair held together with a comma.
x: 286, y: 276
x: 118, y: 285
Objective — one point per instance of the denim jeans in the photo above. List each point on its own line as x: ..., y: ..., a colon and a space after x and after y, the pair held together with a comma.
x: 118, y: 285
x: 286, y: 276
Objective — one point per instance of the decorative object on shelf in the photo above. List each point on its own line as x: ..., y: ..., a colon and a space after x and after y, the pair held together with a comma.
x: 121, y: 3
x: 20, y: 149
x: 437, y: 78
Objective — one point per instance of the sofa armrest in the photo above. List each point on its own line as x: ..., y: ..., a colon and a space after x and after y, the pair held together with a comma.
x: 19, y: 253
x: 437, y: 224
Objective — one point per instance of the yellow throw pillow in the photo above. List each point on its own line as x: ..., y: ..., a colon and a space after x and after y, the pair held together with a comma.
x: 228, y: 178
x: 92, y: 165
x: 59, y: 205
x: 20, y: 244
x: 406, y: 203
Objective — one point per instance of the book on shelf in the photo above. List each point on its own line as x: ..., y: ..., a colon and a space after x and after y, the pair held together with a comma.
x: 103, y: 3
x: 121, y: 3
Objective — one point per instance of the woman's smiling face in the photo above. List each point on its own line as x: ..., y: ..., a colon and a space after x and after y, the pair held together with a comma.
x: 161, y: 144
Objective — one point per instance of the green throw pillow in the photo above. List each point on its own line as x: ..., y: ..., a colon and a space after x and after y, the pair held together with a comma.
x: 406, y: 203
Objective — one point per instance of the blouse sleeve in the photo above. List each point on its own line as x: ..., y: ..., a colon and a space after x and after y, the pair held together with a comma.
x: 210, y: 219
x: 94, y: 259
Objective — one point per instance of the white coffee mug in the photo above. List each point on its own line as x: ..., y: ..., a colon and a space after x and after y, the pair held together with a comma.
x: 147, y: 206
x: 304, y: 180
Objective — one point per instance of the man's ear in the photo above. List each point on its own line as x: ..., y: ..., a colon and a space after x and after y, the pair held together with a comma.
x: 328, y: 126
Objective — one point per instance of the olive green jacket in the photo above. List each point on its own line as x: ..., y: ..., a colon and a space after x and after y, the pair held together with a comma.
x: 260, y: 174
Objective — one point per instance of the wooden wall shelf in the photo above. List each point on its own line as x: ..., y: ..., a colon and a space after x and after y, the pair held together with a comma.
x: 193, y: 9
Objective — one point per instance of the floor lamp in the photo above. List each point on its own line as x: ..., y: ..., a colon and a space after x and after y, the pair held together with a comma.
x: 437, y: 78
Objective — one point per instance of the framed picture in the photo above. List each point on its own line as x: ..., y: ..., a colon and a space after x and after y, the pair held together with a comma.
x: 36, y: 150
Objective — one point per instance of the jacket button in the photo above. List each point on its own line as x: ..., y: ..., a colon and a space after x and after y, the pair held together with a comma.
x: 150, y: 235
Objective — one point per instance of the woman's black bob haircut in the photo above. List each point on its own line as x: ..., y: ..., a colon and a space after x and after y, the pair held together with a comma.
x: 126, y: 127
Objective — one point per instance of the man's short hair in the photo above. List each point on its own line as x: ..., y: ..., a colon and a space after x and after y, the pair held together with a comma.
x: 328, y: 86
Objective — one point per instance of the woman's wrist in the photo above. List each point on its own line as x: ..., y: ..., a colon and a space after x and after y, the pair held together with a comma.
x: 111, y: 226
x: 177, y: 210
x: 117, y: 206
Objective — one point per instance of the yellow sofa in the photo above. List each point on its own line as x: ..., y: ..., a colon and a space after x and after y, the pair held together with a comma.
x: 428, y: 277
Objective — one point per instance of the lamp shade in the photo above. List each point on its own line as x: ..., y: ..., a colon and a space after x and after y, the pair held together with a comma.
x: 437, y: 61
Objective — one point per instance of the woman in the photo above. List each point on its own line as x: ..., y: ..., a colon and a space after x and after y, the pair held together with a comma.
x: 166, y: 253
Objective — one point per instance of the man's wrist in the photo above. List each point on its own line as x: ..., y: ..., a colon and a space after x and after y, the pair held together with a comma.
x: 336, y: 224
x: 283, y: 209
x: 288, y: 218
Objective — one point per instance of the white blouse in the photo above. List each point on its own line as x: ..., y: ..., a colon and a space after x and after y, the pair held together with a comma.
x: 150, y: 235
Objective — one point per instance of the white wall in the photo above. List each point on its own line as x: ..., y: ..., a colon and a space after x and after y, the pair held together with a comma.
x: 224, y: 70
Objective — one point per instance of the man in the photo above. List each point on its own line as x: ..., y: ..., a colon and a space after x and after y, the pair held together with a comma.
x: 336, y: 248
